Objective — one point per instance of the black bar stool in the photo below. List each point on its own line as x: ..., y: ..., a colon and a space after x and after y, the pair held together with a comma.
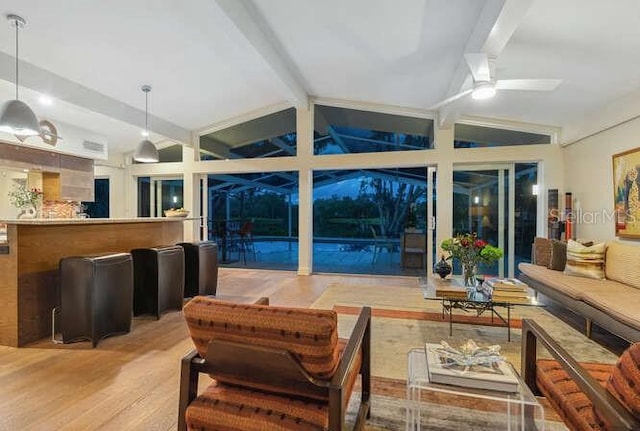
x: 200, y: 268
x: 158, y: 279
x: 96, y: 296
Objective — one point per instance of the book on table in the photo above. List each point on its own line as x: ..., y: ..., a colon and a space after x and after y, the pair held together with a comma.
x: 506, y: 284
x: 495, y: 376
x: 453, y: 292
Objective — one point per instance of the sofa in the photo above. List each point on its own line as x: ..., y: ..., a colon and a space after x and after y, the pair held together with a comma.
x: 610, y: 300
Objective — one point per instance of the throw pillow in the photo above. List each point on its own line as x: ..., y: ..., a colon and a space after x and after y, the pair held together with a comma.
x: 558, y: 258
x: 622, y: 263
x: 585, y: 261
x: 542, y: 251
x: 623, y: 383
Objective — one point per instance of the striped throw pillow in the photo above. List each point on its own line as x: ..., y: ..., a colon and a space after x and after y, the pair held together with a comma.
x: 585, y: 261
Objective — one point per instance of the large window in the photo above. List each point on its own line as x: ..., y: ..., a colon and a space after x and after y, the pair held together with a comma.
x: 472, y: 136
x: 254, y: 219
x: 157, y: 194
x: 273, y: 135
x: 360, y: 216
x: 344, y: 131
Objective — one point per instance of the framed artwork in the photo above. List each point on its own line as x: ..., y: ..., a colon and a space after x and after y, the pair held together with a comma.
x: 626, y: 193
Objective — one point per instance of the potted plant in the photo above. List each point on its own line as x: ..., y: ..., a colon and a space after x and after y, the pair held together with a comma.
x: 470, y: 250
x: 25, y: 199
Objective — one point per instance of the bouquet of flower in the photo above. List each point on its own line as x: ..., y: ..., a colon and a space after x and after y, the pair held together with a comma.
x: 470, y: 250
x: 21, y: 197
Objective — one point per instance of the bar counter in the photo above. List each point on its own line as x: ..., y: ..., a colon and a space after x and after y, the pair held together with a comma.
x: 30, y: 257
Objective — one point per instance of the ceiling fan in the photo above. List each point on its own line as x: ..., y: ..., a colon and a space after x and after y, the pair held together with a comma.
x: 485, y: 85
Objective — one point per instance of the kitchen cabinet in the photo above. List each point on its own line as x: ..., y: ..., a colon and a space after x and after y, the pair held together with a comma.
x: 64, y: 177
x: 76, y: 178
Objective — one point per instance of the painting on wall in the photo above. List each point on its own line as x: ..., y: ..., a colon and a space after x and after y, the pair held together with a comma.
x: 626, y: 193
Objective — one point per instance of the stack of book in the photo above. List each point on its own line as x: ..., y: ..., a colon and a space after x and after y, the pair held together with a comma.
x: 507, y: 289
x: 454, y: 292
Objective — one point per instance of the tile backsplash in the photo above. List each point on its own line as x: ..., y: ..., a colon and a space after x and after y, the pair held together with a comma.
x: 60, y: 209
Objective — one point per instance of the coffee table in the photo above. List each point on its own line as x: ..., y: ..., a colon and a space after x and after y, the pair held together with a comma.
x: 517, y: 411
x: 453, y: 295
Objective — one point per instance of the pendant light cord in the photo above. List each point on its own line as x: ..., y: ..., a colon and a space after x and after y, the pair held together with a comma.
x: 17, y: 25
x: 146, y: 112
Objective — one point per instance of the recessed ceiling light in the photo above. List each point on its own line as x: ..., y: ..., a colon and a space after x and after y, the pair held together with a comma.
x: 45, y: 100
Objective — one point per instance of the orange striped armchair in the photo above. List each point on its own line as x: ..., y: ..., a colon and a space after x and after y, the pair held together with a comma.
x: 586, y: 395
x: 273, y: 368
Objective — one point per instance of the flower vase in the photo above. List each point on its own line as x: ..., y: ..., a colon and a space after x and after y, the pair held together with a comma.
x: 28, y: 212
x: 469, y: 274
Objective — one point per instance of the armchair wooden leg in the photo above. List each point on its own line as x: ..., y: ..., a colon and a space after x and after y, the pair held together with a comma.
x: 529, y: 356
x: 366, y: 371
x: 188, y: 387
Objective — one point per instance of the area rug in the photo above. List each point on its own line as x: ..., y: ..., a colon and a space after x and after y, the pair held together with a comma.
x: 403, y: 320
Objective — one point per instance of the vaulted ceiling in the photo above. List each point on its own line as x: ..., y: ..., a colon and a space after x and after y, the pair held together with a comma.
x: 212, y: 60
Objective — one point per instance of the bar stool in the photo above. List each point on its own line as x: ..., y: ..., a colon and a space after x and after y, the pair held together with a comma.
x: 158, y: 279
x: 96, y: 296
x: 200, y: 268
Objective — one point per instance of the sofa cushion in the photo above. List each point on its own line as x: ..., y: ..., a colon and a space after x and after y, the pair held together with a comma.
x: 566, y: 284
x: 623, y: 263
x: 558, y: 258
x: 564, y: 394
x: 620, y: 301
x: 310, y: 335
x: 585, y: 261
x: 542, y: 251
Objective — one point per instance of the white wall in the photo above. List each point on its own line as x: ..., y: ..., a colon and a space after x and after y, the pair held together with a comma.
x: 71, y: 142
x: 588, y: 175
x: 7, y: 176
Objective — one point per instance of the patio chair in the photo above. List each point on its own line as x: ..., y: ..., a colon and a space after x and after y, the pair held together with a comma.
x: 273, y: 368
x: 381, y: 243
x: 245, y: 241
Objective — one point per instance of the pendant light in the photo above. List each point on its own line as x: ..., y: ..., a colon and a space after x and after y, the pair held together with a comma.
x: 146, y: 151
x: 17, y: 118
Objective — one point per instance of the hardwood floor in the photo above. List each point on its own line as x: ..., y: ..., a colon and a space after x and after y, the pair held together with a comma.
x: 131, y: 382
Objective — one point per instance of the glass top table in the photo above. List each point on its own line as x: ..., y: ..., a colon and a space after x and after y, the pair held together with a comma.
x: 508, y: 410
x: 453, y: 295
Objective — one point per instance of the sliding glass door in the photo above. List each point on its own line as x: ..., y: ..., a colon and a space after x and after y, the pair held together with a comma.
x: 484, y: 202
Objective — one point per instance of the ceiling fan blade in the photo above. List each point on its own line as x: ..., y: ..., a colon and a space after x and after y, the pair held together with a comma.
x: 450, y: 99
x: 528, y: 84
x: 478, y: 63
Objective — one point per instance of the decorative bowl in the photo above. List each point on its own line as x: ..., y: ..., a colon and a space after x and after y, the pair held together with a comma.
x: 176, y: 213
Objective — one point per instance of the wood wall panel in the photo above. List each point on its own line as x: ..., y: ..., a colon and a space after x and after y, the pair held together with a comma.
x: 9, y: 291
x: 29, y: 274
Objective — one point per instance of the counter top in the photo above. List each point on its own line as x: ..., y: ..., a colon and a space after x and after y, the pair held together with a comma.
x: 60, y: 221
